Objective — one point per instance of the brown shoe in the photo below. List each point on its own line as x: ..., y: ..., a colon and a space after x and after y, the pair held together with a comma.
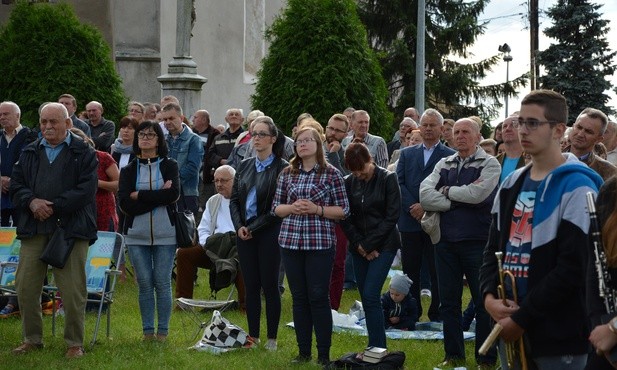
x: 26, y: 348
x: 74, y: 352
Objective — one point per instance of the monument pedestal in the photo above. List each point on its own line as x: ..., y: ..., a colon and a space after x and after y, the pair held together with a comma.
x: 181, y: 79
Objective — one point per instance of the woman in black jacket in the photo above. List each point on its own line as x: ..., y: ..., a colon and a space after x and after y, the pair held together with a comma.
x: 258, y: 230
x: 375, y: 202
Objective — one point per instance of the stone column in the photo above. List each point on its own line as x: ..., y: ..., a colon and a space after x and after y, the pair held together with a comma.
x: 181, y: 78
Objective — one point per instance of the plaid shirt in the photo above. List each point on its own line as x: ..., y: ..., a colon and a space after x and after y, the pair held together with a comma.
x: 310, y: 232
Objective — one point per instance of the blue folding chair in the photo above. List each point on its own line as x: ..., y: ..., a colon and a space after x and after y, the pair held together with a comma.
x: 101, y: 276
x: 9, y: 258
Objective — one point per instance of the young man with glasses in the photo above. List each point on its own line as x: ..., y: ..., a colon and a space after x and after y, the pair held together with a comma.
x: 336, y: 131
x: 541, y: 227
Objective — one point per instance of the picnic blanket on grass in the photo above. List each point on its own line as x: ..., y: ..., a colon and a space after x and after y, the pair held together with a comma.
x: 349, y: 323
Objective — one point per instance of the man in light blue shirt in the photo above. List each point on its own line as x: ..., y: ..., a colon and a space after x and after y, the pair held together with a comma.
x: 360, y: 122
x: 512, y: 158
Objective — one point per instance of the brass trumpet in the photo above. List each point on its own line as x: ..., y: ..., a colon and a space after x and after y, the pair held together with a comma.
x: 517, y: 348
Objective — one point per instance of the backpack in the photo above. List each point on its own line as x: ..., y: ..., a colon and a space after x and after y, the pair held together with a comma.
x: 392, y: 361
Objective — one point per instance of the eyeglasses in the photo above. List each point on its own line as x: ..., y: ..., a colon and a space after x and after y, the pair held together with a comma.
x: 335, y: 130
x: 304, y: 141
x: 222, y: 181
x: 147, y: 135
x: 531, y: 124
x: 260, y: 134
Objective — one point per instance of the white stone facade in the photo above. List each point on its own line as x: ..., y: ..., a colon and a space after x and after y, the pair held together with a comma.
x: 227, y: 45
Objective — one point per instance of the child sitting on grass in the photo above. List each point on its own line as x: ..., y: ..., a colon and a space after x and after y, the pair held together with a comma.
x: 400, y: 309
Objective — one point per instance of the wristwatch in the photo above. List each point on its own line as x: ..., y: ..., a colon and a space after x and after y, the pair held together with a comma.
x: 612, y: 325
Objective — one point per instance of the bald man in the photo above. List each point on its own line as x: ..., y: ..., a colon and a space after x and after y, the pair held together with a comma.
x: 462, y: 188
x: 102, y: 130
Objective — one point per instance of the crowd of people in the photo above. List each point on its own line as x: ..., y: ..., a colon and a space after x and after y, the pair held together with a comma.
x: 327, y: 197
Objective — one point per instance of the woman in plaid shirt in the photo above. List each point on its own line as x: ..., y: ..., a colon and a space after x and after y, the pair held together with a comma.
x: 310, y: 197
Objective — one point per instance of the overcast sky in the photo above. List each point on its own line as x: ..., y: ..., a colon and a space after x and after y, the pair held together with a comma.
x: 507, y: 23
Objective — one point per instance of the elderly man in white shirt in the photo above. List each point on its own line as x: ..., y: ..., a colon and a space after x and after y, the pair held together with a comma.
x: 216, y: 219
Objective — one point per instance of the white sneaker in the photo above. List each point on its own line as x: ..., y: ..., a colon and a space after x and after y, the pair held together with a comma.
x: 425, y: 293
x: 270, y: 345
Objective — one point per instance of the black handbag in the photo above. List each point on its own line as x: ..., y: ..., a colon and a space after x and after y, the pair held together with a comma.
x: 58, y: 248
x: 186, y: 229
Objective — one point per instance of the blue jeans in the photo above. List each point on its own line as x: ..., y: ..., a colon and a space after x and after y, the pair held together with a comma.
x: 371, y: 276
x: 452, y: 260
x: 308, y: 275
x: 153, y: 265
x: 350, y: 279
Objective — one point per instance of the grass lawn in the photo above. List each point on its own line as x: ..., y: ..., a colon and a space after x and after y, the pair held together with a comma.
x: 125, y: 349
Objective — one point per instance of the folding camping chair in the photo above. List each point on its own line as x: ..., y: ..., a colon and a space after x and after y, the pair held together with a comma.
x: 195, y: 306
x: 101, y: 276
x: 9, y: 258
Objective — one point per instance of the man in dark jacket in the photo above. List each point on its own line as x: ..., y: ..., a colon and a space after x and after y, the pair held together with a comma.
x: 102, y: 130
x: 414, y: 165
x: 13, y: 138
x: 206, y: 133
x: 222, y: 145
x: 70, y: 103
x: 54, y: 183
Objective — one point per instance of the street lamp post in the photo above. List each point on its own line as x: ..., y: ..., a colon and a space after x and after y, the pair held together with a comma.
x: 505, y: 49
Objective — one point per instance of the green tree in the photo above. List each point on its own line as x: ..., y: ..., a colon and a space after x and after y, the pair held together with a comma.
x: 319, y: 62
x: 45, y: 51
x: 452, y: 27
x: 579, y: 62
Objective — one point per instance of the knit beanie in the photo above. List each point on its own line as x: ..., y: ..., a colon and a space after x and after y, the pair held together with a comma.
x: 401, y: 283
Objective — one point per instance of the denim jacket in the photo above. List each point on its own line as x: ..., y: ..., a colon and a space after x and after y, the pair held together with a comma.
x: 188, y: 151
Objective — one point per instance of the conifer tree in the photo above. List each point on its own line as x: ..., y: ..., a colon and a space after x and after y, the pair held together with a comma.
x: 579, y: 60
x: 319, y: 62
x: 451, y: 28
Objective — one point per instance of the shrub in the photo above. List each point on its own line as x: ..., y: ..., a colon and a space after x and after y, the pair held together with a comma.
x: 320, y: 62
x: 45, y: 51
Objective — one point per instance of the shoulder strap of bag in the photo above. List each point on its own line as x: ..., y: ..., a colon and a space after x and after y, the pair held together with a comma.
x: 214, y: 210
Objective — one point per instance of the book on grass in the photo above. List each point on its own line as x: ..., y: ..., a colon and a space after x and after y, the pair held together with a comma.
x: 374, y: 354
